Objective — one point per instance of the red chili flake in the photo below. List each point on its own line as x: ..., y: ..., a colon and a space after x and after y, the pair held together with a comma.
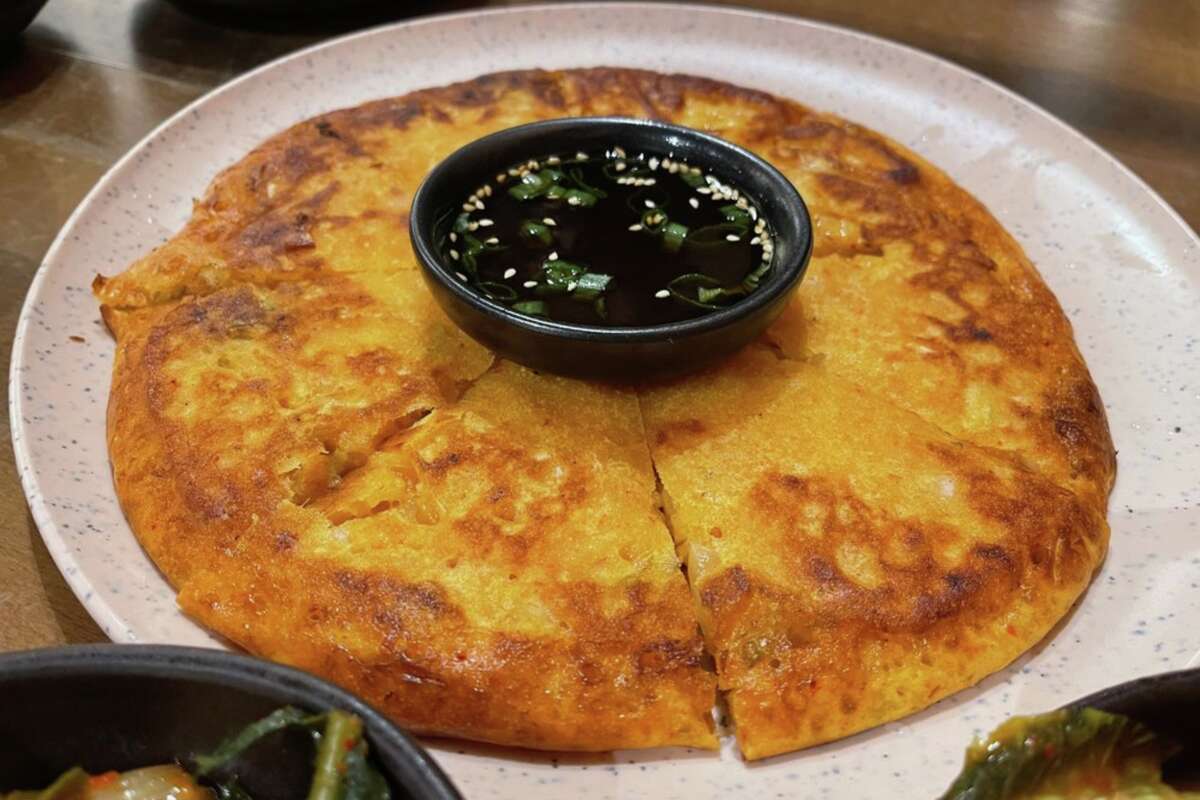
x: 1011, y: 630
x: 103, y: 779
x: 349, y: 744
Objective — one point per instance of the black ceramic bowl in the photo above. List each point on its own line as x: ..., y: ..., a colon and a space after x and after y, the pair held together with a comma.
x: 1168, y: 704
x: 106, y: 707
x: 15, y: 16
x: 601, y: 352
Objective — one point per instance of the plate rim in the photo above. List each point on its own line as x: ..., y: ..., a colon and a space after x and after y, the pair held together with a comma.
x: 112, y: 623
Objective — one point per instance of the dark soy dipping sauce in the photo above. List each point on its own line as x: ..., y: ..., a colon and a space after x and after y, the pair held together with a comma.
x: 610, y: 239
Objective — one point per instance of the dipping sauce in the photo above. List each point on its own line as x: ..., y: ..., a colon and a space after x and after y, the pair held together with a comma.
x: 609, y: 238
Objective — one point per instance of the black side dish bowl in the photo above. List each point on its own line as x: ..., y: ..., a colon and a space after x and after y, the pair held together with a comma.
x: 611, y: 353
x: 1169, y: 705
x: 120, y: 707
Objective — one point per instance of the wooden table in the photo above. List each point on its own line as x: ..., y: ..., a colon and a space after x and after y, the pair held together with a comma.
x: 91, y: 77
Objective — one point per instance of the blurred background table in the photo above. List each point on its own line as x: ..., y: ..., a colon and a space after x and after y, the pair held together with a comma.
x: 91, y: 77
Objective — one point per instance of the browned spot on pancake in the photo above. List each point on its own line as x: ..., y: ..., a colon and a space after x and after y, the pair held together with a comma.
x: 282, y: 230
x: 664, y: 655
x: 285, y: 541
x: 726, y: 589
x: 808, y: 129
x: 278, y: 235
x: 672, y: 432
x: 817, y: 516
x: 905, y: 174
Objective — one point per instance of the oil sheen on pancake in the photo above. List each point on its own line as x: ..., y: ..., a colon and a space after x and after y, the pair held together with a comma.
x: 897, y: 491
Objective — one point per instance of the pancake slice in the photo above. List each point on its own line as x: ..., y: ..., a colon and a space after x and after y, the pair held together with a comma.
x: 851, y: 562
x: 915, y: 290
x: 499, y: 570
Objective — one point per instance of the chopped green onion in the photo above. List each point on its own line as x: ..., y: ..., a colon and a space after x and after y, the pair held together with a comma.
x: 692, y: 180
x: 600, y: 307
x: 498, y: 291
x: 462, y: 223
x: 558, y: 275
x: 590, y: 285
x: 736, y: 216
x: 536, y: 308
x: 534, y: 184
x: 536, y: 233
x: 578, y: 197
x: 708, y: 289
x: 673, y: 235
x: 714, y: 235
x: 755, y: 275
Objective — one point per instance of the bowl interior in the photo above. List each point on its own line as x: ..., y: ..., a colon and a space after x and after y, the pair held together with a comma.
x: 105, y: 710
x: 1169, y: 704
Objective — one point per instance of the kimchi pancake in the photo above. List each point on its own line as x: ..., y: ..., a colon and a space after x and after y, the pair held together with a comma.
x: 332, y: 475
x: 853, y: 563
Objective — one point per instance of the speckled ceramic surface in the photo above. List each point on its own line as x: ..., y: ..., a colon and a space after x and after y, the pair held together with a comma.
x: 1124, y: 266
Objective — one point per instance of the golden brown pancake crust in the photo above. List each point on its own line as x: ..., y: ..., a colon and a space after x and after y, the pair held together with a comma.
x: 334, y: 476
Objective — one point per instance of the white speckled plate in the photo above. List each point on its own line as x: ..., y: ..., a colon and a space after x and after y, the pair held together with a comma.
x: 1125, y: 267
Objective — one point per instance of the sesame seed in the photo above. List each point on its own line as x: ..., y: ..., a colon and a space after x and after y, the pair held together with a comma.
x: 654, y: 163
x: 619, y: 166
x: 514, y: 171
x: 741, y: 203
x: 453, y: 236
x: 529, y: 284
x: 468, y: 207
x: 755, y: 240
x: 486, y: 223
x: 674, y: 168
x: 549, y: 221
x: 635, y: 227
x: 581, y: 156
x: 552, y: 160
x: 479, y: 205
x: 753, y: 212
x: 500, y: 177
x: 553, y: 256
x: 473, y: 199
x: 461, y: 277
x: 454, y: 254
x: 532, y: 164
x: 662, y: 294
x: 571, y: 286
x: 572, y: 200
x: 711, y: 181
x: 704, y: 190
x: 508, y: 273
x: 487, y: 190
x: 472, y: 226
x: 693, y: 202
x: 649, y: 203
x: 648, y: 181
x: 733, y: 238
x: 491, y: 240
x: 618, y: 152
